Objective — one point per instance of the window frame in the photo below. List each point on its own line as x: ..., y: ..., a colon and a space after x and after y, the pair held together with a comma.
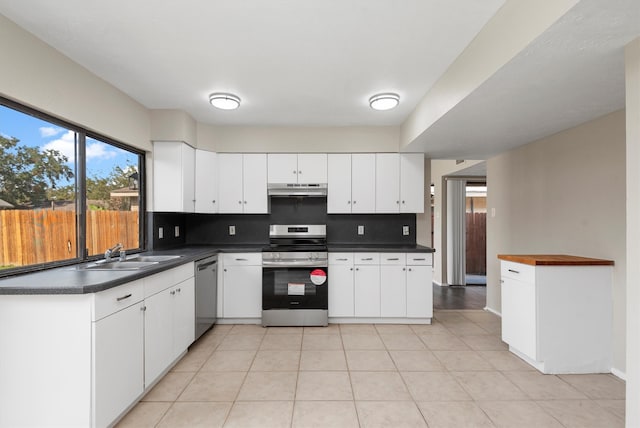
x: 81, y: 189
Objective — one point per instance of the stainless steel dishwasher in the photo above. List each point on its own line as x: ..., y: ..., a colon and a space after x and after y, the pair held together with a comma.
x: 206, y: 293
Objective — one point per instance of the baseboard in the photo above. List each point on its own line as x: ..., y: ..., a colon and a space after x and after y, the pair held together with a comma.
x: 618, y: 373
x: 439, y: 284
x: 493, y: 311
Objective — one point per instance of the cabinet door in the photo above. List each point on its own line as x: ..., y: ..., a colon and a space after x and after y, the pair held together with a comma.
x: 419, y: 292
x: 118, y: 363
x: 230, y: 182
x: 255, y: 199
x: 242, y: 292
x: 282, y: 168
x: 393, y: 291
x: 519, y: 315
x: 412, y: 182
x: 158, y: 337
x: 341, y: 291
x: 206, y: 182
x: 184, y: 316
x: 367, y: 291
x: 188, y: 178
x: 363, y: 183
x: 312, y: 168
x: 173, y: 177
x: 387, y: 183
x: 339, y: 183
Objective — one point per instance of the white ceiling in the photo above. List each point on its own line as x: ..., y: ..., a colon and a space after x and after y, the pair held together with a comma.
x: 316, y: 63
x: 292, y: 62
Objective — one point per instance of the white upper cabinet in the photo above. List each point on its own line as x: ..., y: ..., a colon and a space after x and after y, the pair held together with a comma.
x: 173, y: 177
x: 339, y: 184
x: 363, y: 183
x: 206, y: 184
x: 387, y: 182
x: 282, y: 168
x: 412, y: 182
x: 254, y: 189
x: 303, y: 168
x: 242, y: 183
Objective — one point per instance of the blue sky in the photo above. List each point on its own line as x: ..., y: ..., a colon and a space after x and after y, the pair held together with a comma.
x: 34, y: 132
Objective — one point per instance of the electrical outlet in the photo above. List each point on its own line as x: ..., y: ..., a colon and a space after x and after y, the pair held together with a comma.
x: 232, y: 230
x: 493, y: 212
x: 405, y: 230
x: 160, y: 232
x: 176, y: 231
x: 361, y: 230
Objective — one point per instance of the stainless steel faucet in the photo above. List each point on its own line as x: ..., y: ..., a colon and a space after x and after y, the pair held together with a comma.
x: 110, y: 251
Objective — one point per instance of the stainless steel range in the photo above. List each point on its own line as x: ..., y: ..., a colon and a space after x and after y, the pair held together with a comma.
x: 295, y: 278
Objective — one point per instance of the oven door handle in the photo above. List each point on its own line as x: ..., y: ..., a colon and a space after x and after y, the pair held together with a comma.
x: 293, y: 263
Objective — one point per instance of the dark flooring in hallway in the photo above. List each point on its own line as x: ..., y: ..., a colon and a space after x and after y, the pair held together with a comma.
x: 459, y: 297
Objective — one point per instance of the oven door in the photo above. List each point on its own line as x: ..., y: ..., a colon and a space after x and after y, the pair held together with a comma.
x: 287, y: 287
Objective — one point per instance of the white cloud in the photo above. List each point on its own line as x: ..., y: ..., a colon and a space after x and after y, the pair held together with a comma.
x: 99, y: 151
x: 65, y: 145
x: 49, y: 131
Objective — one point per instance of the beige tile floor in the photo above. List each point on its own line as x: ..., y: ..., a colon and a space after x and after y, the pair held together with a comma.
x: 453, y: 373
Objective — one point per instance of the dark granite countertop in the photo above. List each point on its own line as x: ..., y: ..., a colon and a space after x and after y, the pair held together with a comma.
x: 76, y: 280
x: 381, y: 248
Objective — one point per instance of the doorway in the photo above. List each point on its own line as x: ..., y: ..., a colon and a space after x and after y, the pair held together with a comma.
x: 476, y: 233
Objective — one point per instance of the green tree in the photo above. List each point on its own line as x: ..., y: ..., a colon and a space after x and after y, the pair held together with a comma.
x: 27, y: 173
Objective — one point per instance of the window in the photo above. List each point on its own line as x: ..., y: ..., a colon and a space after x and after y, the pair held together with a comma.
x: 65, y: 194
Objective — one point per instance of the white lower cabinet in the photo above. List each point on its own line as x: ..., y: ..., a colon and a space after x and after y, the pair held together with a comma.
x: 341, y: 285
x: 169, y: 326
x: 89, y: 357
x: 118, y: 363
x: 382, y: 286
x: 242, y: 285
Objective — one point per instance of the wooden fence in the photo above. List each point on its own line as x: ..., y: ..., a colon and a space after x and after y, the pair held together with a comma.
x: 31, y: 237
x: 476, y: 243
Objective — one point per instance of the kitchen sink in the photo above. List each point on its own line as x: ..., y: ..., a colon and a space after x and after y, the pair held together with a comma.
x: 139, y: 258
x: 126, y: 265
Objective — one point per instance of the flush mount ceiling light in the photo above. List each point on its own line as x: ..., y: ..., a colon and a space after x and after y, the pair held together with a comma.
x: 224, y: 101
x: 385, y: 101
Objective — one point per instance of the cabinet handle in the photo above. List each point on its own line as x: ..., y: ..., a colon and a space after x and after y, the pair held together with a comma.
x: 348, y: 202
x: 241, y: 260
x: 397, y: 202
x: 172, y: 292
x: 178, y: 290
x: 224, y: 269
x: 404, y: 269
x: 295, y: 172
x: 119, y: 299
x: 367, y: 259
x: 143, y: 308
x: 351, y: 269
x: 240, y: 202
x: 419, y: 260
x: 354, y: 202
x: 245, y: 202
x: 395, y: 258
x: 342, y: 260
x: 502, y: 281
x: 403, y: 202
x: 299, y: 172
x: 214, y: 201
x: 514, y: 271
x: 409, y: 269
x: 357, y: 268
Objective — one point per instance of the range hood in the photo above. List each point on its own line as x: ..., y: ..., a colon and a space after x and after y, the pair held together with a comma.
x: 288, y: 190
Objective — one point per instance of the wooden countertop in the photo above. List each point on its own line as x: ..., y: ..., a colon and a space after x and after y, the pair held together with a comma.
x: 554, y: 260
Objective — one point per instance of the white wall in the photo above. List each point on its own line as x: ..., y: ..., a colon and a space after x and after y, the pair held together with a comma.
x: 423, y: 221
x: 632, y: 57
x: 564, y: 194
x: 173, y: 125
x: 37, y: 75
x: 298, y: 139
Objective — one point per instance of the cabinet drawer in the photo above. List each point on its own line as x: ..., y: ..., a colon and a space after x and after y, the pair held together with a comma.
x: 340, y: 258
x: 161, y: 281
x: 252, y: 259
x: 367, y: 258
x: 519, y: 271
x: 114, y: 299
x: 393, y: 258
x: 419, y: 259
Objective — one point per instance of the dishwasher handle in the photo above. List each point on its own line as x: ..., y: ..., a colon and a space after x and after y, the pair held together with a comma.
x: 203, y: 266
